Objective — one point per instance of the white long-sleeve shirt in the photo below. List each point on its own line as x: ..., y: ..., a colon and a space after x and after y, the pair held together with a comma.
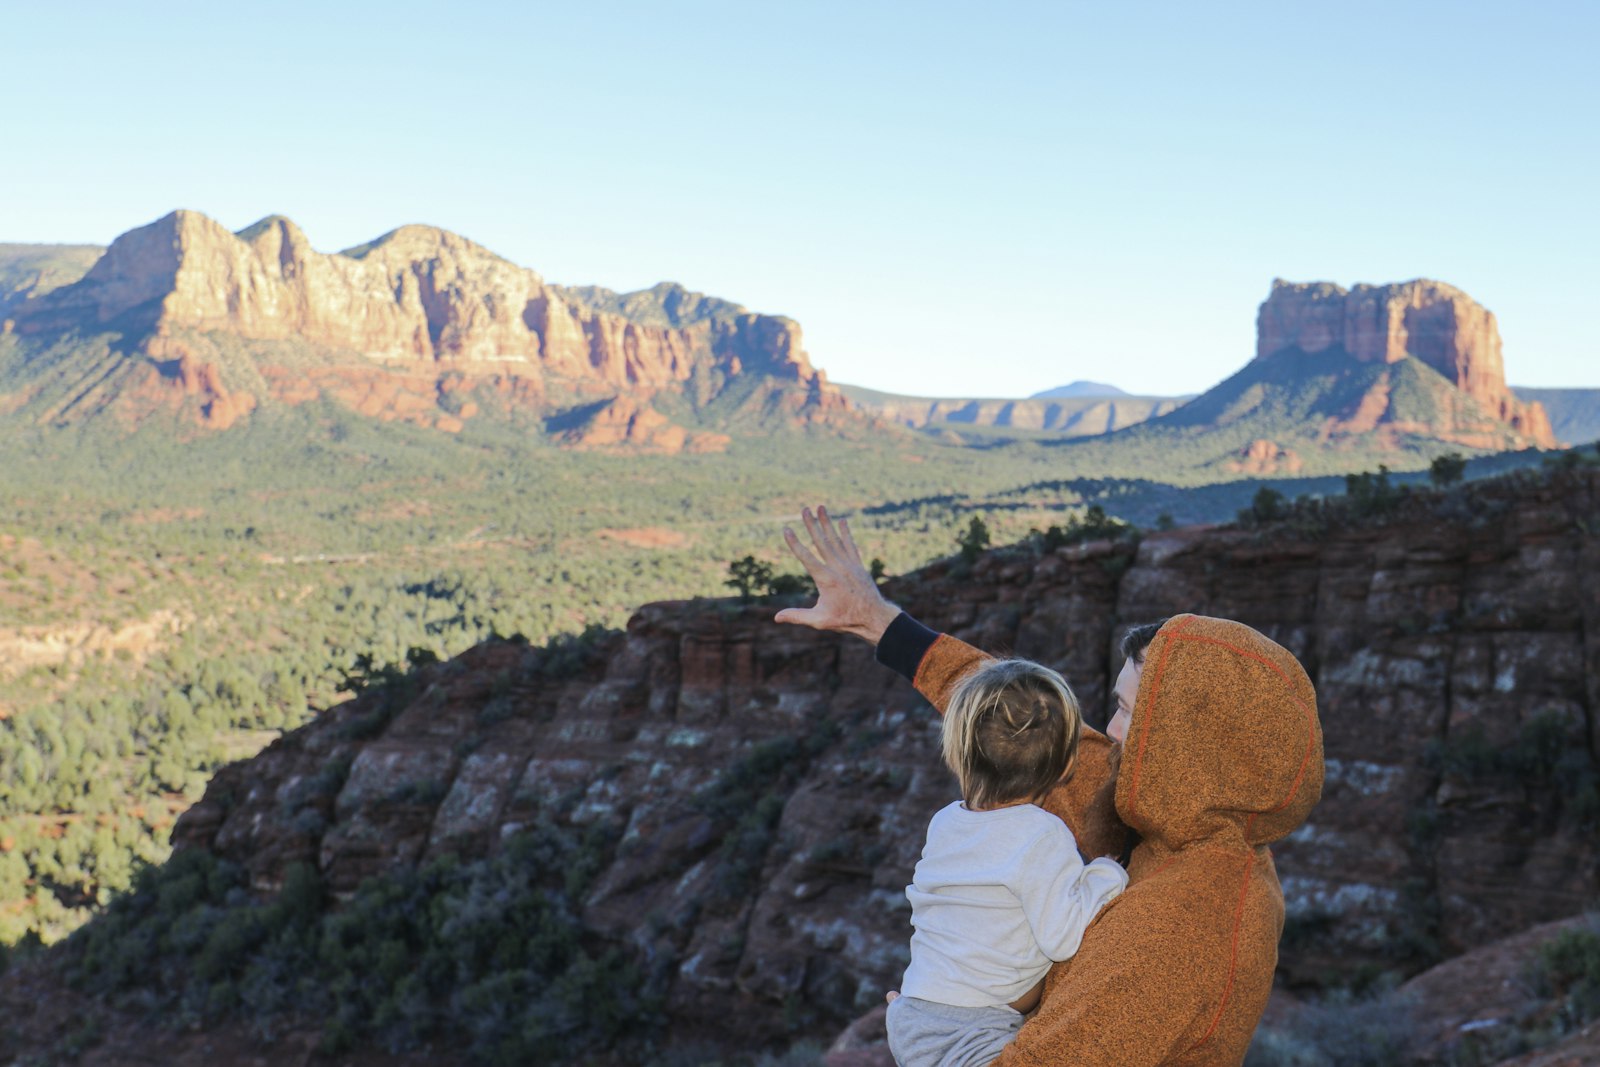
x: 997, y: 896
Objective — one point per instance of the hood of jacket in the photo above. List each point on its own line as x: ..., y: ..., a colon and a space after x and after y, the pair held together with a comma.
x: 1224, y: 746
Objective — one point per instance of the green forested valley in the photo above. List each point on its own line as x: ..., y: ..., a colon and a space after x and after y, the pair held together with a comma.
x: 169, y: 605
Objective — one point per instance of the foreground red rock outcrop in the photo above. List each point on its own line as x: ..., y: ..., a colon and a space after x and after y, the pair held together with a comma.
x: 1455, y: 647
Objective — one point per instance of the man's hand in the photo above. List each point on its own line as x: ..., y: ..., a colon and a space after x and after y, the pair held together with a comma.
x: 848, y: 600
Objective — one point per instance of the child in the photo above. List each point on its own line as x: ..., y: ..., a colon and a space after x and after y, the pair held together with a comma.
x: 1000, y: 891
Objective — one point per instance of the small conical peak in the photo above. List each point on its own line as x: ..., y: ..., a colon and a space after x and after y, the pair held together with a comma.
x: 183, y: 217
x: 271, y: 223
x: 160, y: 244
x: 417, y: 241
x: 198, y: 220
x: 182, y: 224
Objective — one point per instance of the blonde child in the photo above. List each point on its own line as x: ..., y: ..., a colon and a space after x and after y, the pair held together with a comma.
x: 1000, y: 892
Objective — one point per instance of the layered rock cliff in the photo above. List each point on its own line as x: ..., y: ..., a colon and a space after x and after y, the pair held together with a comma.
x: 417, y: 301
x: 1454, y: 644
x: 1426, y: 320
x: 1069, y: 416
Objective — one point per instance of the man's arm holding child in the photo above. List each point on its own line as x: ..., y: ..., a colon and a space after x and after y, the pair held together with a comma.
x: 1060, y: 895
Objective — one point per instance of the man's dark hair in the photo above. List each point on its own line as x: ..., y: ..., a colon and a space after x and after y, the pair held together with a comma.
x: 1137, y: 639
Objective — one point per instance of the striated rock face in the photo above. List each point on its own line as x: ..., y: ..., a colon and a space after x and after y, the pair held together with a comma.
x: 220, y: 408
x: 1453, y: 649
x: 625, y: 423
x: 1426, y: 320
x: 417, y: 300
x: 1262, y: 457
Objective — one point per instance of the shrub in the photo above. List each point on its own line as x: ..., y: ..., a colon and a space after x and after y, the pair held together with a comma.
x: 1542, y: 760
x: 748, y: 575
x: 1095, y: 525
x: 791, y: 585
x: 1447, y: 470
x: 491, y: 953
x: 748, y: 799
x: 752, y: 578
x: 974, y: 539
x: 569, y: 655
x: 1370, y: 495
x: 1340, y: 1031
x: 805, y: 1054
x: 1268, y: 505
x: 1568, y: 967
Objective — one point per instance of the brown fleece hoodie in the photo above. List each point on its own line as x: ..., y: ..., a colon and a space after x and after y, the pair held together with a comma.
x: 1223, y: 756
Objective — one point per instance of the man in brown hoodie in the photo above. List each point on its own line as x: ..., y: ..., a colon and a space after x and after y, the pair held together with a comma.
x: 1223, y: 755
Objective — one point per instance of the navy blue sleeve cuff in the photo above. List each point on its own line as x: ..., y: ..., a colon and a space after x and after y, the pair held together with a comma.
x: 903, y: 645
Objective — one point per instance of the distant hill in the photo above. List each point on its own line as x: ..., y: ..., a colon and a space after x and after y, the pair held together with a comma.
x: 1077, y: 389
x: 422, y: 326
x: 1574, y: 413
x: 34, y: 270
x: 1077, y: 416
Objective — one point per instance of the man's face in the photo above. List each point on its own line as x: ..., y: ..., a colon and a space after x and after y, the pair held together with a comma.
x: 1126, y: 690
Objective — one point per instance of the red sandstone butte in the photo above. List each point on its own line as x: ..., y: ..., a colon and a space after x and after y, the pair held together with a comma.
x: 1422, y: 319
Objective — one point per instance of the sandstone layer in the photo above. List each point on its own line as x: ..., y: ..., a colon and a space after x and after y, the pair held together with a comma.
x: 1450, y: 646
x: 1263, y: 458
x: 1427, y: 320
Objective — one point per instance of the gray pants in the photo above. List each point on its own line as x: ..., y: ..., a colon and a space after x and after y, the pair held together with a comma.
x: 925, y: 1034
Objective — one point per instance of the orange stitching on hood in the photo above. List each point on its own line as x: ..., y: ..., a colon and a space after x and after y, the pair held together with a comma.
x: 1233, y: 961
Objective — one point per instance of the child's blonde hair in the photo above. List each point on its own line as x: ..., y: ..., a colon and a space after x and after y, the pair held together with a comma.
x: 1010, y: 732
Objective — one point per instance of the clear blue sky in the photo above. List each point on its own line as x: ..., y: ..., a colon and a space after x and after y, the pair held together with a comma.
x: 952, y: 199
